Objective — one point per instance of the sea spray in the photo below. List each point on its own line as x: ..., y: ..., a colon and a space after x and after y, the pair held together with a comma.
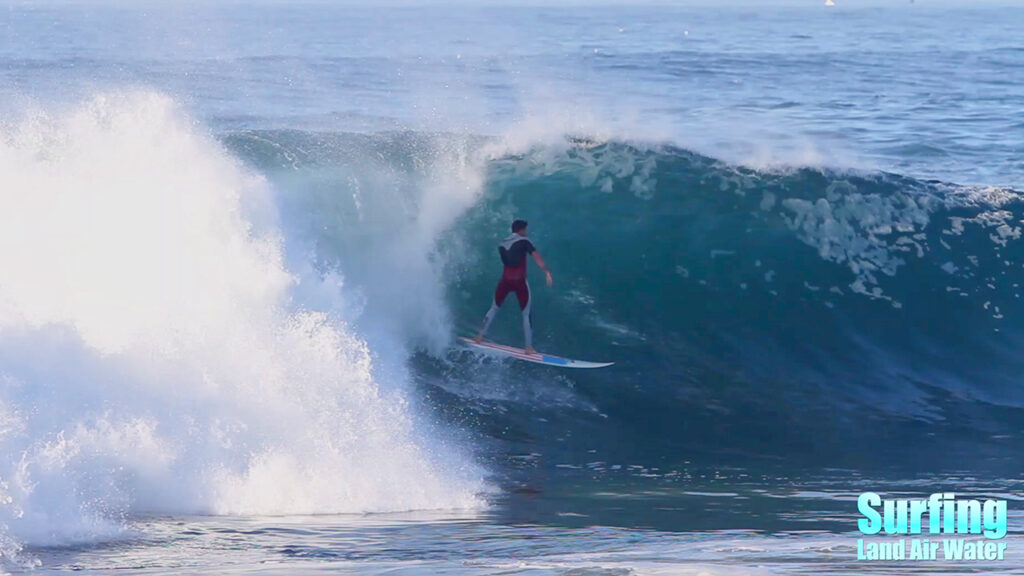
x: 376, y: 210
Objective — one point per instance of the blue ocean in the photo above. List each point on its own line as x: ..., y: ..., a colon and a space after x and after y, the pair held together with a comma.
x: 239, y: 243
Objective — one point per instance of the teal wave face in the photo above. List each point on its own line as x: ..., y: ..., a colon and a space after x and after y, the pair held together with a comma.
x: 804, y: 314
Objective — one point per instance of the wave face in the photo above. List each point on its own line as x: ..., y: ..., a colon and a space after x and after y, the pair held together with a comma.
x: 803, y: 314
x: 157, y: 354
x: 797, y: 315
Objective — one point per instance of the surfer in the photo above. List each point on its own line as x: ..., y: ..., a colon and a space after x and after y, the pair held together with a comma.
x: 513, y: 251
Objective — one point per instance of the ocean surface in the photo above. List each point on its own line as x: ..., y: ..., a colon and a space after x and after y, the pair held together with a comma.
x: 238, y: 242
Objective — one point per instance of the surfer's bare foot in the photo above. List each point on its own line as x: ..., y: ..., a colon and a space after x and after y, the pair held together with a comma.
x: 530, y: 350
x: 478, y: 338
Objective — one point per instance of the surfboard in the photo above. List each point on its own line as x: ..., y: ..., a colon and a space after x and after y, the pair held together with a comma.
x: 538, y: 358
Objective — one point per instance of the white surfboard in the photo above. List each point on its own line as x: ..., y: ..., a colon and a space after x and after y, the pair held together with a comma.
x: 538, y: 358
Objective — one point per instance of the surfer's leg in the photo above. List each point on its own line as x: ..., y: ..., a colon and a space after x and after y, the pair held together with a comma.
x: 526, y: 304
x: 500, y: 292
x: 488, y: 318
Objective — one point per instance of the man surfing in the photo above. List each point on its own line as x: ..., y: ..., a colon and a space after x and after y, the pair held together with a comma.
x: 513, y: 251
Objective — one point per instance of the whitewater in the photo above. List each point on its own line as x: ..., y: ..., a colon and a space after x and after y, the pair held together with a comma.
x: 238, y: 244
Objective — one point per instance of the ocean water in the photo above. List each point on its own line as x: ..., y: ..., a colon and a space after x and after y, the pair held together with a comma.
x: 238, y: 241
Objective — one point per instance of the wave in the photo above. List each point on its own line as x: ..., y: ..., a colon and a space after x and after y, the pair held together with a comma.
x: 262, y: 323
x: 778, y: 310
x: 788, y: 313
x: 791, y: 312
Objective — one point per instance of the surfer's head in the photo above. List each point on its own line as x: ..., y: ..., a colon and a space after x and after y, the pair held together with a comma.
x: 519, y: 227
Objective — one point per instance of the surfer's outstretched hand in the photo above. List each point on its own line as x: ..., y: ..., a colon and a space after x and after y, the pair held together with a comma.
x: 547, y: 276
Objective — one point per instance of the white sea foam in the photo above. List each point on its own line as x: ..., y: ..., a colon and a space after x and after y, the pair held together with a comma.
x: 156, y: 354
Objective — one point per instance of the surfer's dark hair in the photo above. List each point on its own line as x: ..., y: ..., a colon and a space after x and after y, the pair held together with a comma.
x: 518, y: 225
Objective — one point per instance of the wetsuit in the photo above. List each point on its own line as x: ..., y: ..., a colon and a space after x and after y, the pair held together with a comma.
x: 513, y: 251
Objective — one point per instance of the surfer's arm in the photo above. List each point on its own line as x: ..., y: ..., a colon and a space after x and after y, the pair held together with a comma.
x: 540, y: 262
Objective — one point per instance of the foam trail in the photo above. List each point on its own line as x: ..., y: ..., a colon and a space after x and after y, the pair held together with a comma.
x: 153, y: 354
